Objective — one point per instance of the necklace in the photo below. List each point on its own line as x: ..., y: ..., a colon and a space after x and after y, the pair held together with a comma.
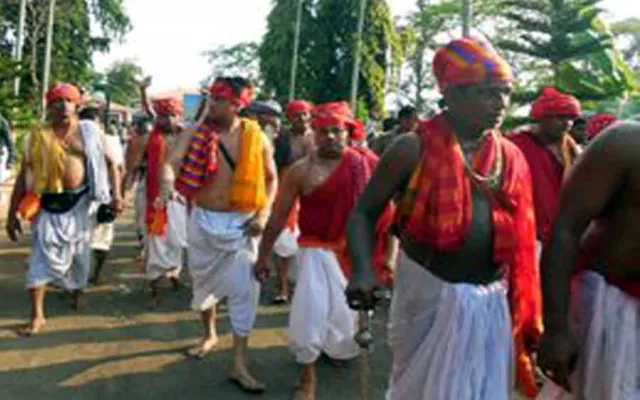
x: 493, y: 179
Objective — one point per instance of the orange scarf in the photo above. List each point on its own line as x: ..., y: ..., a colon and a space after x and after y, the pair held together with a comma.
x: 438, y: 211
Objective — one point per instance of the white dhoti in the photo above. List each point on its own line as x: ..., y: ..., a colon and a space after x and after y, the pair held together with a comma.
x: 166, y: 253
x: 61, y: 251
x: 287, y: 244
x: 609, y: 337
x: 102, y: 238
x: 221, y: 258
x: 449, y: 341
x: 320, y: 319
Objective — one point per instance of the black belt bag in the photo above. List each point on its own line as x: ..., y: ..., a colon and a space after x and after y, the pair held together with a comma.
x: 60, y: 203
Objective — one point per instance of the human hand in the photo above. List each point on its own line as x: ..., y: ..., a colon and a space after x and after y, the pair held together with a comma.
x: 117, y: 204
x: 254, y: 227
x: 361, y: 292
x: 261, y: 271
x: 557, y: 357
x: 14, y: 228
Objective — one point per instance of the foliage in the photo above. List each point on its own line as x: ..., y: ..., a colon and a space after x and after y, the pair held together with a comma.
x: 569, y: 37
x: 121, y: 82
x: 327, y: 46
x: 628, y: 36
x: 74, y: 42
x: 276, y: 50
x: 240, y: 59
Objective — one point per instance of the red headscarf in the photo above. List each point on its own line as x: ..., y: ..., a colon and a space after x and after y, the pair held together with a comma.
x: 598, y: 123
x: 358, y: 131
x: 337, y: 113
x: 169, y: 105
x: 222, y: 90
x: 552, y: 103
x: 62, y: 90
x: 298, y: 106
x: 469, y: 61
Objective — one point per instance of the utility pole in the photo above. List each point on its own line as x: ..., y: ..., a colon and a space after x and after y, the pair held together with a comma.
x: 357, y: 57
x: 47, y: 55
x: 296, y: 50
x: 19, y: 44
x: 466, y: 17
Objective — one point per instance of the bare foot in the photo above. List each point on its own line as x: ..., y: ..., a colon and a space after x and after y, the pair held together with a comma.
x: 246, y: 382
x: 203, y: 348
x: 305, y: 392
x: 32, y: 328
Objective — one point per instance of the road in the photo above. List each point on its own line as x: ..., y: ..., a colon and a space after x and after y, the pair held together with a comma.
x: 116, y: 348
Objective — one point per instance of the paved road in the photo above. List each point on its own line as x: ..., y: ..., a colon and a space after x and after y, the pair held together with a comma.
x: 115, y: 348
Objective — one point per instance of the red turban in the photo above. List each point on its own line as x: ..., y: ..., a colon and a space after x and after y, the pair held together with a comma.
x: 469, y: 61
x: 336, y: 113
x: 358, y: 131
x: 222, y: 90
x: 169, y: 105
x: 298, y: 106
x: 553, y: 103
x: 62, y: 90
x: 598, y: 123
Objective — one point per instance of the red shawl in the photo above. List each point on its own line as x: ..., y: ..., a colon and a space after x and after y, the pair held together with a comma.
x: 324, y: 212
x: 156, y: 153
x: 441, y: 215
x: 547, y: 175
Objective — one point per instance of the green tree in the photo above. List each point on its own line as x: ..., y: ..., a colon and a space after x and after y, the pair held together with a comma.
x: 121, y: 79
x: 240, y: 59
x: 627, y: 34
x: 573, y: 41
x: 276, y: 49
x: 74, y: 42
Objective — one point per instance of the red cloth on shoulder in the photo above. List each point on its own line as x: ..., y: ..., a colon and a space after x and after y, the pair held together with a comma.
x: 324, y: 212
x: 156, y: 153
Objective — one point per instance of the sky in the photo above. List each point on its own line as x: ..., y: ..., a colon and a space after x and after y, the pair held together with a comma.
x: 169, y: 37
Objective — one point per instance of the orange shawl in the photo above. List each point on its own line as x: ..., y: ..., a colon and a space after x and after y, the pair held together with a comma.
x: 437, y: 213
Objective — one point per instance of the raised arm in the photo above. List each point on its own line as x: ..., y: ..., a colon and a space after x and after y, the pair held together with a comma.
x: 391, y: 176
x: 144, y: 99
x: 595, y: 179
x: 288, y: 193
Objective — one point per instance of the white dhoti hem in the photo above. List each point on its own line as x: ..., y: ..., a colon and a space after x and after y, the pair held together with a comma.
x: 609, y: 333
x: 166, y: 253
x: 287, y: 244
x: 61, y: 251
x: 449, y: 341
x: 102, y: 238
x: 221, y: 258
x: 320, y: 319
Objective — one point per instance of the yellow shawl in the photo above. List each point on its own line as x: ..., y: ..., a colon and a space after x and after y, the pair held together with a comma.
x: 248, y: 191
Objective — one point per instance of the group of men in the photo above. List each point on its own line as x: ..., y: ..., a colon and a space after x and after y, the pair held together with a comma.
x: 474, y: 229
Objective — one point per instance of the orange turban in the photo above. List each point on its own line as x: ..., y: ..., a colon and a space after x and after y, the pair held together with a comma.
x: 337, y: 113
x: 222, y: 90
x: 598, y: 123
x: 62, y: 90
x: 553, y: 103
x: 298, y: 106
x: 469, y: 61
x: 169, y: 105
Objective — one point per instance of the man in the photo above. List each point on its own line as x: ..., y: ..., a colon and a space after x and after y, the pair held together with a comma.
x: 594, y: 354
x: 64, y: 162
x: 7, y: 151
x: 136, y: 174
x: 166, y: 225
x: 578, y: 131
x: 103, y: 233
x: 598, y: 123
x: 226, y: 169
x: 290, y: 147
x: 466, y: 229
x: 334, y: 175
x: 550, y: 151
x: 268, y: 114
x: 407, y: 122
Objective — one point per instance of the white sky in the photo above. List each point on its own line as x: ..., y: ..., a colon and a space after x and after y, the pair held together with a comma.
x: 169, y: 36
